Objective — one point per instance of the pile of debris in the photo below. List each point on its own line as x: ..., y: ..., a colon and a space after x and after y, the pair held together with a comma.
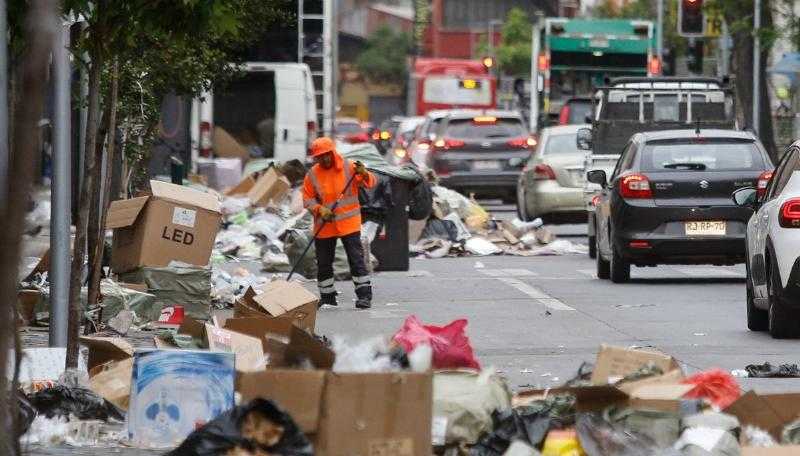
x: 459, y: 226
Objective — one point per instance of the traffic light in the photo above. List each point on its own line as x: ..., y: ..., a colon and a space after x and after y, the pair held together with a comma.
x: 694, y: 57
x: 488, y: 62
x: 691, y: 21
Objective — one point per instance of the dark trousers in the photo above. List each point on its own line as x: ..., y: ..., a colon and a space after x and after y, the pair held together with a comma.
x: 326, y: 252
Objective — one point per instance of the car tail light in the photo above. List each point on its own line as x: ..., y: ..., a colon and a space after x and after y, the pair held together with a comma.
x: 447, y: 144
x: 543, y: 172
x: 357, y: 138
x: 635, y: 186
x: 205, y: 139
x: 763, y: 182
x: 523, y: 142
x: 376, y: 136
x: 790, y: 214
x: 639, y: 244
x: 563, y: 116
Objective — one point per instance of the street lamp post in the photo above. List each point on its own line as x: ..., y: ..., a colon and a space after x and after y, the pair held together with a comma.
x: 756, y: 65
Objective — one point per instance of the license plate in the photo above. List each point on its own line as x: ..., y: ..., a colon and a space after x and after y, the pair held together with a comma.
x: 598, y: 42
x: 483, y: 165
x: 706, y: 228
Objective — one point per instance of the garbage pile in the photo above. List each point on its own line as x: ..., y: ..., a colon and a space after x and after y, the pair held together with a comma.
x: 459, y: 226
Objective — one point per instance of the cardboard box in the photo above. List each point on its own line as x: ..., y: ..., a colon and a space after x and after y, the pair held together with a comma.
x: 352, y: 414
x: 175, y: 223
x: 227, y: 146
x: 284, y: 343
x: 783, y: 450
x: 113, y: 382
x: 242, y: 187
x: 269, y: 187
x: 770, y: 412
x: 248, y: 350
x: 105, y: 349
x: 614, y: 363
x: 280, y: 299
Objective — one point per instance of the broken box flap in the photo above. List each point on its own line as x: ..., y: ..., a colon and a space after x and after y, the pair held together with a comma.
x: 182, y: 194
x: 299, y: 392
x: 279, y: 297
x: 123, y: 213
x: 614, y: 363
x: 104, y: 349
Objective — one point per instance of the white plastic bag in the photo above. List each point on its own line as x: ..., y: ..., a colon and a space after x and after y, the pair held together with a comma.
x: 480, y: 246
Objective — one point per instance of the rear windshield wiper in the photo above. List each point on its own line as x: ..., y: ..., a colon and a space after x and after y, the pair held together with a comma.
x: 692, y: 166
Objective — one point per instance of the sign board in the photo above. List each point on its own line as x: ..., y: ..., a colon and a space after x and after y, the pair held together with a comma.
x: 713, y: 28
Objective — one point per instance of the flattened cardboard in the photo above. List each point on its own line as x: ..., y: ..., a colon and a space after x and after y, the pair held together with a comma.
x: 299, y: 392
x: 376, y: 414
x: 227, y: 146
x: 283, y: 299
x: 248, y: 350
x: 613, y: 363
x: 783, y: 450
x: 269, y: 187
x: 113, y: 382
x: 770, y: 412
x: 242, y: 187
x: 105, y: 349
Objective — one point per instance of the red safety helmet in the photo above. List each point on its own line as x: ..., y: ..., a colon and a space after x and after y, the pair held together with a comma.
x: 322, y: 146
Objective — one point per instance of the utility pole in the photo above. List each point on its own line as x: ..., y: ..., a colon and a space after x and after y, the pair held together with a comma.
x: 61, y: 194
x: 756, y: 65
x: 536, y: 48
x: 4, y: 107
x: 660, y: 36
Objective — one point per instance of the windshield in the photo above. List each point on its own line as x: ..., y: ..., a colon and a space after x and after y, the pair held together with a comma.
x: 561, y: 144
x: 469, y: 129
x: 702, y: 156
x: 578, y: 111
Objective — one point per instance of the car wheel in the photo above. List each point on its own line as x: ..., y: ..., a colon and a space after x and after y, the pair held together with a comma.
x: 603, y: 267
x: 757, y: 319
x: 620, y: 268
x: 781, y: 323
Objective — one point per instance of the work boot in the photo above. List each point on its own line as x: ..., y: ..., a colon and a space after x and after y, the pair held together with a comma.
x: 363, y: 303
x: 328, y: 299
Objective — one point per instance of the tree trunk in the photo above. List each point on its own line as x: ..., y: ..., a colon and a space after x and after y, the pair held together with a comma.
x: 95, y: 234
x: 96, y: 262
x: 41, y: 25
x: 81, y: 223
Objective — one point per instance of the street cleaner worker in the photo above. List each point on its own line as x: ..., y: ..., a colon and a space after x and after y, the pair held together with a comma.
x: 324, y: 185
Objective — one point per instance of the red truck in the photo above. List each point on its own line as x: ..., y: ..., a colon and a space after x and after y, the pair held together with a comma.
x: 451, y: 84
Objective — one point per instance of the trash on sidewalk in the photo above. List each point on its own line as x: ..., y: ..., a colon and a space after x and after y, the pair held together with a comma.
x: 56, y: 431
x: 117, y: 297
x: 716, y: 385
x: 67, y: 401
x: 176, y: 284
x: 175, y: 223
x: 280, y: 299
x: 112, y: 381
x: 172, y: 392
x: 220, y: 173
x: 249, y: 350
x: 268, y: 188
x: 450, y: 344
x: 481, y: 247
x: 259, y: 427
x: 768, y: 370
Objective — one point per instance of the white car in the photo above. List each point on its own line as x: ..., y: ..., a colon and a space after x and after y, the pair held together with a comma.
x: 773, y: 249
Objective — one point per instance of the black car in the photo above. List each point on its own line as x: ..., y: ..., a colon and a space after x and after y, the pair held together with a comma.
x: 481, y: 152
x: 668, y: 200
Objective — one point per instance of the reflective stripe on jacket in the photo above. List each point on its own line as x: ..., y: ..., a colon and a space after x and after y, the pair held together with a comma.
x: 323, y: 186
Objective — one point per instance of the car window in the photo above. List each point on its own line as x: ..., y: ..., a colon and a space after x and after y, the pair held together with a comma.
x: 578, y: 110
x: 789, y: 164
x: 708, y: 155
x: 348, y: 127
x: 473, y: 129
x: 432, y: 126
x: 561, y: 144
x: 624, y: 161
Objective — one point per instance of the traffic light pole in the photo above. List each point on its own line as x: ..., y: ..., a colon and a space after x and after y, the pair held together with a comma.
x: 756, y: 65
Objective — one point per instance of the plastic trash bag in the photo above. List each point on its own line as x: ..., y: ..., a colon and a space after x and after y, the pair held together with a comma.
x: 527, y: 424
x: 716, y: 385
x: 83, y: 403
x: 478, y: 218
x: 371, y: 355
x: 598, y: 437
x: 481, y: 247
x: 420, y: 199
x: 709, y: 434
x: 26, y: 413
x: 768, y: 370
x: 259, y: 427
x: 440, y: 229
x: 461, y: 229
x: 791, y: 433
x: 450, y: 344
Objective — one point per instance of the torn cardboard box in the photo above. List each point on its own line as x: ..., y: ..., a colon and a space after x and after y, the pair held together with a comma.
x: 269, y: 187
x: 105, y: 349
x: 299, y: 392
x: 242, y: 187
x: 280, y: 299
x: 113, y: 382
x: 175, y: 223
x: 770, y: 412
x: 248, y: 350
x: 227, y: 146
x: 285, y: 345
x: 614, y: 363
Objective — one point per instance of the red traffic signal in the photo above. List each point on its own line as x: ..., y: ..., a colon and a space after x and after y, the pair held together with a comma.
x: 691, y: 20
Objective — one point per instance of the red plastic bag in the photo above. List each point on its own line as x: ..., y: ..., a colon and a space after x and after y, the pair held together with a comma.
x: 716, y: 385
x: 450, y: 344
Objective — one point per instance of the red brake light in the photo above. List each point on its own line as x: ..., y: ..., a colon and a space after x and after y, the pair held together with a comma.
x: 790, y: 214
x: 635, y: 186
x: 763, y: 182
x: 563, y: 116
x: 639, y: 244
x: 376, y: 136
x: 543, y: 172
x: 522, y: 143
x: 357, y: 138
x: 205, y: 139
x: 654, y: 66
x: 447, y: 144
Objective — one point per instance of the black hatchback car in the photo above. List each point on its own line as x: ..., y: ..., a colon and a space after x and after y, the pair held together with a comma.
x: 481, y: 152
x: 668, y: 200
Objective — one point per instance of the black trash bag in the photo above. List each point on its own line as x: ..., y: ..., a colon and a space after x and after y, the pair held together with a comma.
x: 767, y: 370
x: 258, y: 426
x: 420, y: 198
x: 528, y: 424
x: 376, y: 201
x: 598, y: 437
x: 440, y: 229
x: 84, y: 404
x: 26, y: 414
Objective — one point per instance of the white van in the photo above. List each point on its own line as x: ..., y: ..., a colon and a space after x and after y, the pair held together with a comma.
x: 271, y: 111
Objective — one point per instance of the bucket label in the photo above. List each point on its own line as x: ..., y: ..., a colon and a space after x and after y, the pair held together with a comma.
x: 183, y: 216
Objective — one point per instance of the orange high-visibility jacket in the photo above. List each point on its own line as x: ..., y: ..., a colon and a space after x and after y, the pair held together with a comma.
x: 323, y: 186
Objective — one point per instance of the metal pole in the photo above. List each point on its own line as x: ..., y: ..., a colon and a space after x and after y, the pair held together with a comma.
x: 4, y: 107
x: 660, y: 32
x: 725, y: 49
x: 535, y: 46
x: 61, y: 192
x: 756, y: 65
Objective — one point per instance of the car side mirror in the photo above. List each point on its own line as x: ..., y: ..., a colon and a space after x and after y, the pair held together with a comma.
x: 597, y: 176
x: 746, y: 197
x: 584, y: 138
